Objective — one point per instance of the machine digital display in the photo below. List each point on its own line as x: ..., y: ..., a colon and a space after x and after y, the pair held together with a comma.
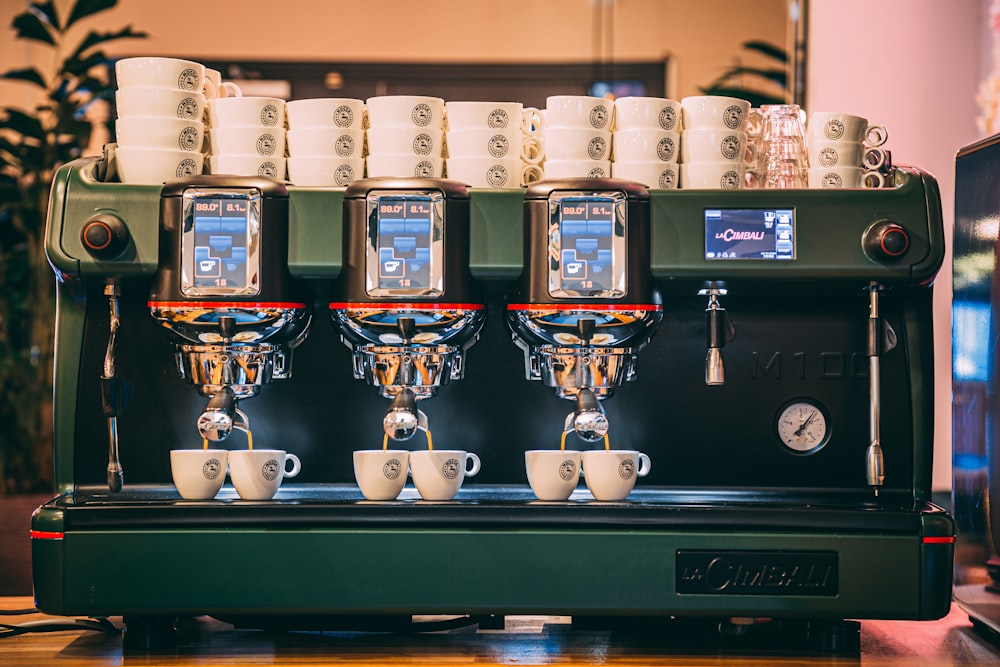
x: 586, y: 255
x: 403, y: 225
x: 221, y: 240
x: 732, y: 233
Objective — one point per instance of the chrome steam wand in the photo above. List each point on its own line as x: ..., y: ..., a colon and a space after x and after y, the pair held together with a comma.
x: 881, y: 339
x: 115, y: 392
x: 720, y: 331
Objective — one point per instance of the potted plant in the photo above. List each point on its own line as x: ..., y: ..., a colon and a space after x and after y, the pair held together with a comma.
x: 34, y: 143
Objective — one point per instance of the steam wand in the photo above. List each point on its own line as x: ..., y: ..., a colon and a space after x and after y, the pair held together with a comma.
x: 720, y: 331
x: 881, y: 339
x: 115, y: 392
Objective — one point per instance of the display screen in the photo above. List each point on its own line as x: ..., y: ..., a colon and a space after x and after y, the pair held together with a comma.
x: 767, y: 234
x: 403, y: 241
x: 586, y: 231
x: 221, y: 227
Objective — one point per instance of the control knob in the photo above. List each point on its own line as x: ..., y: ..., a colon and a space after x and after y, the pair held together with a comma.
x: 886, y: 241
x: 104, y: 236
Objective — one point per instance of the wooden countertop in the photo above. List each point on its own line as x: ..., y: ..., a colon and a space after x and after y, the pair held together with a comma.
x: 526, y: 640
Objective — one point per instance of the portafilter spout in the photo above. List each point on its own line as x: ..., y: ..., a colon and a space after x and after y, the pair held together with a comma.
x: 221, y: 416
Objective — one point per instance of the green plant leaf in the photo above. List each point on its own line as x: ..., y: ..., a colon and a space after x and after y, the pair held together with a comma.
x: 85, y: 8
x: 78, y: 67
x: 754, y: 98
x: 23, y: 123
x: 30, y: 26
x: 767, y: 49
x: 93, y: 38
x: 29, y: 74
x: 778, y: 76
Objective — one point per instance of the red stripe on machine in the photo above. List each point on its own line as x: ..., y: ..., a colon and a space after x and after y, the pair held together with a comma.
x: 225, y: 304
x: 385, y: 305
x: 939, y: 540
x: 585, y: 306
x: 46, y: 535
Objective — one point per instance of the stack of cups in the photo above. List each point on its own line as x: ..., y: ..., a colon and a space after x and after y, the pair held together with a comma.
x: 247, y: 136
x: 577, y: 136
x: 159, y: 131
x: 326, y: 140
x: 493, y: 144
x: 647, y: 141
x: 845, y: 151
x: 405, y: 136
x: 780, y: 161
x: 714, y: 142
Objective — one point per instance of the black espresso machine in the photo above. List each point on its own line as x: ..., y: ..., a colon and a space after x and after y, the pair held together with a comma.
x: 770, y: 351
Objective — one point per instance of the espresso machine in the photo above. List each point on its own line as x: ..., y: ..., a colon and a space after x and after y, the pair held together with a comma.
x: 785, y: 402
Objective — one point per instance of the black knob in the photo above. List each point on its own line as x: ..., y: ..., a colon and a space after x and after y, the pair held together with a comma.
x: 104, y: 236
x: 885, y: 241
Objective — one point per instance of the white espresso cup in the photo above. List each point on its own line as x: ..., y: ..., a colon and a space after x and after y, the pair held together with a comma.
x: 552, y: 473
x: 257, y: 473
x: 835, y: 153
x: 492, y: 116
x: 611, y: 474
x: 645, y: 144
x: 836, y: 126
x: 714, y: 112
x: 480, y: 172
x: 411, y: 140
x: 405, y: 111
x: 405, y: 166
x: 324, y: 170
x: 246, y: 111
x: 713, y: 175
x: 571, y: 143
x: 579, y: 111
x: 647, y: 113
x: 438, y: 473
x: 248, y: 140
x: 653, y: 174
x: 326, y: 141
x: 248, y: 165
x: 153, y: 166
x: 835, y: 178
x: 157, y: 72
x: 713, y: 145
x: 339, y: 112
x: 198, y: 473
x: 155, y: 132
x: 160, y: 102
x: 381, y: 473
x: 496, y: 143
x: 577, y: 168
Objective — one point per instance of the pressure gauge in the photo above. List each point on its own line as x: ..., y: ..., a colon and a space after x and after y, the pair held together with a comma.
x: 803, y: 426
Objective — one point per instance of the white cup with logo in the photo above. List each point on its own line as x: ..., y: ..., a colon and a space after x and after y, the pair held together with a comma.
x: 836, y: 126
x: 835, y: 178
x: 492, y: 116
x: 247, y: 111
x: 645, y: 144
x: 714, y: 112
x: 257, y: 473
x: 714, y: 145
x: 248, y: 140
x: 438, y: 473
x: 486, y: 143
x: 653, y: 174
x: 611, y: 474
x: 325, y: 141
x: 157, y: 132
x: 248, y: 165
x: 579, y: 111
x: 160, y: 102
x: 329, y: 171
x: 335, y: 112
x: 571, y: 143
x: 552, y: 473
x: 422, y: 141
x: 647, y: 113
x: 405, y: 166
x: 725, y: 175
x: 153, y: 166
x: 198, y: 473
x: 485, y: 172
x: 405, y: 111
x: 836, y: 153
x: 381, y: 473
x: 577, y: 168
x: 157, y: 72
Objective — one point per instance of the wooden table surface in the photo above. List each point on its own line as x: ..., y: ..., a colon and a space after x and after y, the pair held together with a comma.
x: 526, y: 640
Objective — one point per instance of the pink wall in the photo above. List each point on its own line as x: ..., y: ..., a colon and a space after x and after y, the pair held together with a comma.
x: 913, y: 66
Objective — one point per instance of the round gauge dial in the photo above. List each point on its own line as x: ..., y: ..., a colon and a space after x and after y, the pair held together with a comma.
x: 803, y: 426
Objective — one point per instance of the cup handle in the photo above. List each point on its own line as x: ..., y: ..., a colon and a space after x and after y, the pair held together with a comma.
x: 872, y: 179
x: 644, y: 465
x: 532, y: 149
x: 210, y: 89
x: 530, y: 173
x: 296, y: 465
x: 476, y: 464
x: 232, y: 90
x: 874, y: 158
x: 755, y: 123
x: 532, y: 121
x: 875, y: 135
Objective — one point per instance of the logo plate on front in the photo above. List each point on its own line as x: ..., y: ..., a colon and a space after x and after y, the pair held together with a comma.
x: 813, y: 573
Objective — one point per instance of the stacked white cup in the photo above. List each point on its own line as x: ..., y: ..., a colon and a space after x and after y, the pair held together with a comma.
x: 405, y: 136
x: 577, y: 136
x: 247, y: 136
x: 159, y: 131
x: 493, y: 144
x: 714, y: 142
x: 326, y: 139
x: 647, y: 141
x: 845, y: 151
